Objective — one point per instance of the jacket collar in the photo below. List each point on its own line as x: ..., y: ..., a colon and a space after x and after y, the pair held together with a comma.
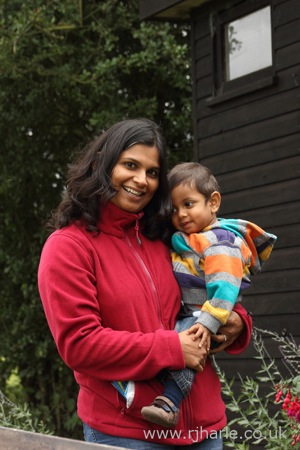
x: 115, y: 221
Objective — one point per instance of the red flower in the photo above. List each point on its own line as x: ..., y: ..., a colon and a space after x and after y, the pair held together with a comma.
x: 287, y: 400
x: 292, y: 408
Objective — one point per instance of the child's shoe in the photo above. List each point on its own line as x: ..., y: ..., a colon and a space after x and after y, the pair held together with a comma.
x: 162, y: 412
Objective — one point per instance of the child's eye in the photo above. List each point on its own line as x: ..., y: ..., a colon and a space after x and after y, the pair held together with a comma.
x: 188, y: 204
x: 173, y: 210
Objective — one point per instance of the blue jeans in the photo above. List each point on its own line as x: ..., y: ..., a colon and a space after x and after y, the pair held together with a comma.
x: 96, y: 437
x: 184, y: 378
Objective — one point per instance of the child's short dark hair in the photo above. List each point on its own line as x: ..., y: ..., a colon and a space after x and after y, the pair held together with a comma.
x: 195, y: 175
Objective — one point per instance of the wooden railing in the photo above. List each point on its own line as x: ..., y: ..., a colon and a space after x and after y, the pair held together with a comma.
x: 12, y: 439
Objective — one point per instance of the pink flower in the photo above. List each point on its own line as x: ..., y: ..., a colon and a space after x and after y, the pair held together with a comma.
x: 291, y: 406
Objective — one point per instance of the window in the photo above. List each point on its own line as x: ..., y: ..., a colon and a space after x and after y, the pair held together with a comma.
x: 243, y: 54
x: 247, y: 44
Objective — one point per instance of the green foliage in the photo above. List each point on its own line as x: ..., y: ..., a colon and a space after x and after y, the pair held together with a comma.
x: 16, y: 416
x: 69, y: 69
x: 254, y: 413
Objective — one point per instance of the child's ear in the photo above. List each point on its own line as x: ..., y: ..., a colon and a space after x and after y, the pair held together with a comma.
x: 215, y: 201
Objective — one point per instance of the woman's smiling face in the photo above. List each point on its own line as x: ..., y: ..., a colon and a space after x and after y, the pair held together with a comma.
x: 135, y: 177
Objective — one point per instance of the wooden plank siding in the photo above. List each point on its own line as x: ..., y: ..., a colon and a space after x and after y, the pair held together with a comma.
x: 15, y: 439
x: 252, y: 144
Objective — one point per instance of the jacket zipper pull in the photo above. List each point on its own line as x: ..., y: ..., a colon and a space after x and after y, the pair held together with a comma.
x: 137, y: 229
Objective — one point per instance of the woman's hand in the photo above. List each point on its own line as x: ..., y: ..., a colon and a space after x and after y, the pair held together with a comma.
x: 228, y: 333
x: 194, y: 356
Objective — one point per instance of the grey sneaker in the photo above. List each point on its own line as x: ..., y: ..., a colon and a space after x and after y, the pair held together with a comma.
x: 162, y: 412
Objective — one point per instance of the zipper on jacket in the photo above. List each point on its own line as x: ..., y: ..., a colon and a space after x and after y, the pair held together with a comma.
x: 187, y: 417
x: 148, y: 274
x: 137, y: 229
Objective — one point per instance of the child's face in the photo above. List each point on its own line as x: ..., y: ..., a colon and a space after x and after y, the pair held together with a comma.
x: 191, y: 211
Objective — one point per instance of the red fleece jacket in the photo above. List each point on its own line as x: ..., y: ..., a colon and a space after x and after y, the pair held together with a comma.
x: 111, y: 305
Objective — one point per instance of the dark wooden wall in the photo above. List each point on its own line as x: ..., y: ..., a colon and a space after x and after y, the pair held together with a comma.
x: 252, y: 144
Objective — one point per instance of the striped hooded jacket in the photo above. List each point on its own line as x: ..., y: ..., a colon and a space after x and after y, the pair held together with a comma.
x: 213, y: 266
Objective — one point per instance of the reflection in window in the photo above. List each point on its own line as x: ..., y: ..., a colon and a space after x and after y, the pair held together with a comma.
x: 248, y: 45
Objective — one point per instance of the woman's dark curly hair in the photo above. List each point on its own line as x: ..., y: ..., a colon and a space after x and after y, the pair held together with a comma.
x: 89, y: 186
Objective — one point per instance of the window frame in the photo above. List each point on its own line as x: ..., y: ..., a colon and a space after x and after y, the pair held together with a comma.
x: 222, y: 89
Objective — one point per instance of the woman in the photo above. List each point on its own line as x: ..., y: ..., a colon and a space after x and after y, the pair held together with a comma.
x: 111, y: 300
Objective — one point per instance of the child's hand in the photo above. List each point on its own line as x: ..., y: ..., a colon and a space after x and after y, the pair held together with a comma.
x: 202, y: 333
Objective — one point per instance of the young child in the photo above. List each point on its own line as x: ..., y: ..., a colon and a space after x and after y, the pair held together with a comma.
x: 212, y: 261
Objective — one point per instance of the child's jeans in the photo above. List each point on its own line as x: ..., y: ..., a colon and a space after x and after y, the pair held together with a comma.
x: 184, y: 378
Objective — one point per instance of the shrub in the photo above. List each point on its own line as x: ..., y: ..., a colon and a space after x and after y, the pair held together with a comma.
x: 257, y: 413
x: 17, y: 416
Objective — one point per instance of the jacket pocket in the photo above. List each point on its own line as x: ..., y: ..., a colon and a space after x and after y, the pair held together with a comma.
x: 144, y: 394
